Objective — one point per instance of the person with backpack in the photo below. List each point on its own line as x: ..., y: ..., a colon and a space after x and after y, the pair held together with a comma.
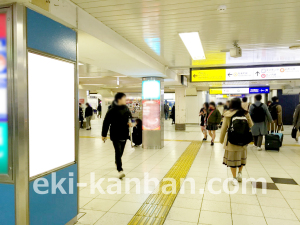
x: 260, y: 116
x: 235, y: 136
x: 213, y: 119
x: 276, y: 113
x: 118, y: 120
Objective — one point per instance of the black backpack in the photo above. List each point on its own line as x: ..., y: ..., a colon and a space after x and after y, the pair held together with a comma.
x: 258, y: 114
x: 273, y: 111
x: 239, y: 131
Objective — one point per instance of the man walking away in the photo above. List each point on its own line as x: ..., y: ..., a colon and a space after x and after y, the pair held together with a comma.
x: 260, y: 116
x: 99, y: 109
x: 88, y: 116
x: 80, y: 116
x: 166, y: 109
x: 117, y: 119
x: 173, y: 114
x: 296, y: 119
x: 276, y: 113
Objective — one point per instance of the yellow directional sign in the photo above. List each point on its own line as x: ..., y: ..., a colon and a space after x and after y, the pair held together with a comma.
x: 208, y: 75
x: 215, y: 91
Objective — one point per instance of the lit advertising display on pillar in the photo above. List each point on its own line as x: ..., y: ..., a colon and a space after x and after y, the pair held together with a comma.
x: 151, y: 104
x: 3, y: 98
x: 151, y: 115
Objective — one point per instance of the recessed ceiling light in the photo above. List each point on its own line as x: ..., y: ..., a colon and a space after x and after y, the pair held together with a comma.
x: 92, y: 84
x: 80, y: 64
x: 193, y: 44
x: 294, y: 47
x: 88, y: 77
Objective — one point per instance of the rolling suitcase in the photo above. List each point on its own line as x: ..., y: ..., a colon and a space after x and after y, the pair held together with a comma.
x: 273, y: 141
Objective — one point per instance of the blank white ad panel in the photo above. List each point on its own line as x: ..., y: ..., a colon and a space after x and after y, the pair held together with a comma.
x: 51, y: 113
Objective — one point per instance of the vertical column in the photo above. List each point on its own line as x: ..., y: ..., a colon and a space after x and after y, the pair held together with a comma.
x: 180, y: 108
x: 153, y: 113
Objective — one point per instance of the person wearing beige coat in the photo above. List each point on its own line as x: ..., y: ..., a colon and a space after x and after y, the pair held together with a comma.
x: 234, y: 156
x: 277, y: 124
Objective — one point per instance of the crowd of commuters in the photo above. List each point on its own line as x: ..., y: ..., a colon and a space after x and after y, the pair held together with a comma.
x: 241, y: 122
x: 252, y: 121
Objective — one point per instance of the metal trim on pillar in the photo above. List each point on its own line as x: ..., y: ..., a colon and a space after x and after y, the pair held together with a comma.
x: 21, y: 134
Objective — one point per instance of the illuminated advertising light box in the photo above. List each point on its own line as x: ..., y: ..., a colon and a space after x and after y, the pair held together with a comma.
x: 3, y: 98
x: 51, y: 97
x: 245, y: 74
x: 151, y: 89
x: 151, y: 115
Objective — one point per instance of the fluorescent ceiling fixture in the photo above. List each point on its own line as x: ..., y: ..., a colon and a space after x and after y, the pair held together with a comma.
x: 92, y: 84
x: 193, y: 44
x: 80, y: 64
x: 89, y: 77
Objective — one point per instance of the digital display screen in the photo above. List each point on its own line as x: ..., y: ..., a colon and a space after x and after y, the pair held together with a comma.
x: 151, y: 89
x: 151, y: 115
x: 3, y: 98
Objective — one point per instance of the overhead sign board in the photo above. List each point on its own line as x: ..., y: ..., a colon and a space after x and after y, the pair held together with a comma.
x: 246, y: 74
x: 251, y: 90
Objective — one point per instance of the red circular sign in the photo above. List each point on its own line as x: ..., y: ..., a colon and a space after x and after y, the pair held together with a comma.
x: 263, y: 75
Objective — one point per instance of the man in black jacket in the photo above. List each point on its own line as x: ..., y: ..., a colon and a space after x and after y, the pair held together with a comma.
x: 88, y: 116
x: 118, y: 119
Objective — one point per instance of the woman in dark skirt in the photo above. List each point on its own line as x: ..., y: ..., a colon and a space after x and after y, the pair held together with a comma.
x: 203, y: 114
x: 213, y: 120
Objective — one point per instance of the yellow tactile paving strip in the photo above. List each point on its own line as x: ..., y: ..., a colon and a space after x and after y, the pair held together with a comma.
x: 157, y: 206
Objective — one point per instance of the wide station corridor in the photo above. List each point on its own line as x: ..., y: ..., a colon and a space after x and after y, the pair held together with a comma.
x: 280, y: 205
x: 149, y: 112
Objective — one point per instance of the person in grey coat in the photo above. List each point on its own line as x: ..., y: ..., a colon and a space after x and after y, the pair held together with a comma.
x: 259, y: 129
x: 296, y: 119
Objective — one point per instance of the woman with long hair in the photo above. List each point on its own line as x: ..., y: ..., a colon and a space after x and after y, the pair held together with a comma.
x: 203, y: 115
x: 213, y: 120
x: 235, y: 156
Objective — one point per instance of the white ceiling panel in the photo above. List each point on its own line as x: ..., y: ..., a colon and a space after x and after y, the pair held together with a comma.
x: 153, y: 26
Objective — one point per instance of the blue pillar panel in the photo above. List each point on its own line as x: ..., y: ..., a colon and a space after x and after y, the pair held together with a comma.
x: 7, y: 204
x: 49, y: 36
x: 52, y: 202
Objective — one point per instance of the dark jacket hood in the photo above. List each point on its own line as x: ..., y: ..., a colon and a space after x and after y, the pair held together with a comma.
x: 115, y: 105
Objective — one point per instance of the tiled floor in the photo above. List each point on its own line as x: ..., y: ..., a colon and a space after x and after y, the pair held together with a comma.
x: 280, y: 206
